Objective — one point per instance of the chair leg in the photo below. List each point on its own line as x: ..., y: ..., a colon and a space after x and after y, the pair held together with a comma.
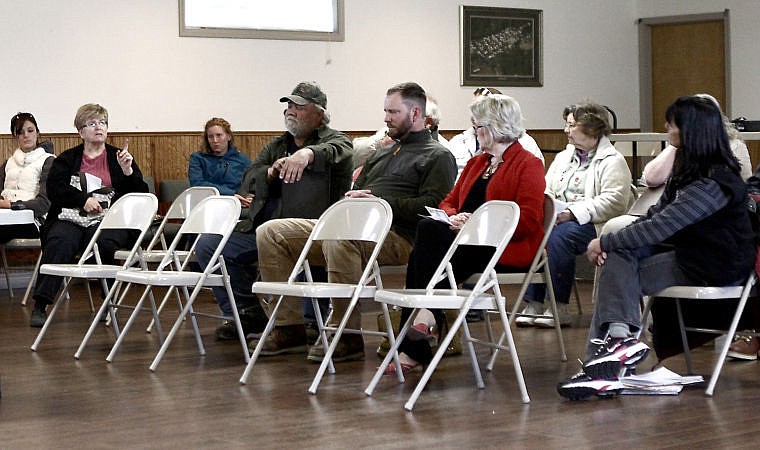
x: 5, y: 269
x: 56, y: 305
x: 188, y: 309
x: 120, y: 338
x: 235, y: 316
x: 103, y: 308
x: 473, y: 357
x: 389, y: 356
x: 684, y: 339
x: 260, y: 345
x: 321, y: 325
x: 731, y: 331
x: 32, y: 280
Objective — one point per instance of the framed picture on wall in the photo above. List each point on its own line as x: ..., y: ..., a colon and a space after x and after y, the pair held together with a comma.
x: 500, y: 46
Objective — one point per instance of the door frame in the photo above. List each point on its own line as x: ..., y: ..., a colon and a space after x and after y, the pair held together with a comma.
x: 645, y: 59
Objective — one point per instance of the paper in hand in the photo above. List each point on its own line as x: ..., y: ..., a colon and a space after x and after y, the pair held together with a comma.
x: 438, y: 214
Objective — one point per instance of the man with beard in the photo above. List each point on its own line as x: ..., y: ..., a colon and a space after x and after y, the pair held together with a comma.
x: 416, y: 171
x: 297, y: 174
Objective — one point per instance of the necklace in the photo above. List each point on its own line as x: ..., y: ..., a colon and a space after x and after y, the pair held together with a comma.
x: 490, y: 170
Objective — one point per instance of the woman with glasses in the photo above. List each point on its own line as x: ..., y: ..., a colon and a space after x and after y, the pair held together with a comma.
x: 23, y: 178
x: 100, y: 165
x: 591, y: 184
x: 465, y: 145
x: 503, y: 171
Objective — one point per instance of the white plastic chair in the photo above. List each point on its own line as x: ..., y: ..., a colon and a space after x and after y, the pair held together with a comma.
x: 353, y: 219
x: 213, y: 215
x: 685, y: 293
x: 492, y: 224
x: 537, y: 273
x: 133, y: 211
x: 178, y: 211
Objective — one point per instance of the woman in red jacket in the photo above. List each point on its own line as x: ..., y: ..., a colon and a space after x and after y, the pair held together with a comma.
x: 504, y: 171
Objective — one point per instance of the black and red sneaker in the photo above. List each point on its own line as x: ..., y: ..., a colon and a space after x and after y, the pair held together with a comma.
x: 613, y: 356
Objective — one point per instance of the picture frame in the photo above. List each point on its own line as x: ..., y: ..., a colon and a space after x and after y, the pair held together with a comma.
x: 501, y: 46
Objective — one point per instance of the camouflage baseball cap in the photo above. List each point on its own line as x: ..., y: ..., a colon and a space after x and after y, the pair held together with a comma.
x: 307, y: 92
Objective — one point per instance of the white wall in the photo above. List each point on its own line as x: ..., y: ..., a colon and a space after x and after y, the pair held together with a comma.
x: 127, y: 55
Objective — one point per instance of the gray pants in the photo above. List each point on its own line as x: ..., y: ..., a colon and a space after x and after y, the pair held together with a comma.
x: 626, y: 275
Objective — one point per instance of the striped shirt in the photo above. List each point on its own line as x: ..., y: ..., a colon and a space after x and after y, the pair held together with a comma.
x: 696, y: 201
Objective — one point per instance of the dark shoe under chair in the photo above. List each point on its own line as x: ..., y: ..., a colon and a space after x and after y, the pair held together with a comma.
x: 349, y: 348
x: 283, y: 339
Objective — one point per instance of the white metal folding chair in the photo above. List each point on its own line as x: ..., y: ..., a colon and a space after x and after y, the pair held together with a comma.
x: 178, y: 211
x: 490, y: 225
x: 685, y: 293
x: 537, y: 273
x: 357, y: 219
x: 213, y: 215
x: 19, y: 244
x: 133, y: 211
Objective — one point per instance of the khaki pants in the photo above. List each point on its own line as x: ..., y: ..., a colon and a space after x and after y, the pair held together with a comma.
x: 280, y: 243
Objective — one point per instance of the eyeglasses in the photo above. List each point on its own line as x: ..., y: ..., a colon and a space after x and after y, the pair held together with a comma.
x: 95, y: 123
x: 477, y: 127
x: 571, y: 124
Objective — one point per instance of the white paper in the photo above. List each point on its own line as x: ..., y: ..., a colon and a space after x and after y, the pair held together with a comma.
x: 93, y: 182
x: 661, y: 381
x: 559, y: 206
x: 438, y: 214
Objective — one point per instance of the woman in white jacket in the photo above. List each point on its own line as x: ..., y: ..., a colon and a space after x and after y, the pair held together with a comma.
x: 591, y: 183
x: 23, y: 177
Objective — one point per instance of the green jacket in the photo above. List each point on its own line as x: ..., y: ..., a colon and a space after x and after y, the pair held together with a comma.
x: 324, y: 181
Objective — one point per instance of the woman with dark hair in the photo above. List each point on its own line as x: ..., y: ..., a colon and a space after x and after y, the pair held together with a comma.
x: 219, y: 163
x: 75, y: 177
x: 591, y: 183
x: 23, y: 177
x: 683, y: 240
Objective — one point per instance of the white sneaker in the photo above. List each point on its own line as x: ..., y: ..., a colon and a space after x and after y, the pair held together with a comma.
x: 565, y: 319
x: 533, y: 308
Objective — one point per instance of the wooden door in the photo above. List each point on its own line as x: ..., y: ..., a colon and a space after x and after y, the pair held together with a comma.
x: 687, y: 59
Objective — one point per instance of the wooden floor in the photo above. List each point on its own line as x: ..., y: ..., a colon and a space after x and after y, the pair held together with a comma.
x: 51, y: 400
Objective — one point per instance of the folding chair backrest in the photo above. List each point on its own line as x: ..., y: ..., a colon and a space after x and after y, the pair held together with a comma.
x: 189, y: 199
x: 217, y: 214
x: 133, y: 211
x: 355, y: 219
x: 493, y: 225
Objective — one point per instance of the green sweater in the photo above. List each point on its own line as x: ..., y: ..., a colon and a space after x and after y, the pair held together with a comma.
x: 414, y: 173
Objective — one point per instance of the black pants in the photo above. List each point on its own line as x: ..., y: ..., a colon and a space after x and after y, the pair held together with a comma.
x: 62, y: 241
x: 430, y: 246
x: 19, y: 231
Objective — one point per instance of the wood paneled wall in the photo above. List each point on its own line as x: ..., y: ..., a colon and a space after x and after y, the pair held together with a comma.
x: 166, y: 155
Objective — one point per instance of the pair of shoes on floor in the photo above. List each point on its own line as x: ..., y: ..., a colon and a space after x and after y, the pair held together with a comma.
x: 534, y: 309
x: 350, y: 348
x: 601, y: 373
x: 39, y: 316
x: 744, y: 346
x: 282, y: 340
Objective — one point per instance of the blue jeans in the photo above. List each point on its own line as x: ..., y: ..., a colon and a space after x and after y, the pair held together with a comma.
x: 568, y: 240
x: 240, y: 255
x: 626, y: 275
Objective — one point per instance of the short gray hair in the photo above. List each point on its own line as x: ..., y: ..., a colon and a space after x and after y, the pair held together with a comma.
x: 325, y: 115
x: 501, y: 115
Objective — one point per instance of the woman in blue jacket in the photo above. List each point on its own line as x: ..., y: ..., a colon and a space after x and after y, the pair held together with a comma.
x: 219, y: 164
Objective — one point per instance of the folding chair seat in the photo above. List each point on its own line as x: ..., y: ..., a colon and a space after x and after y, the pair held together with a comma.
x: 492, y: 224
x: 213, y: 215
x: 133, y: 211
x: 353, y: 219
x: 178, y: 211
x: 686, y: 293
x: 538, y: 272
